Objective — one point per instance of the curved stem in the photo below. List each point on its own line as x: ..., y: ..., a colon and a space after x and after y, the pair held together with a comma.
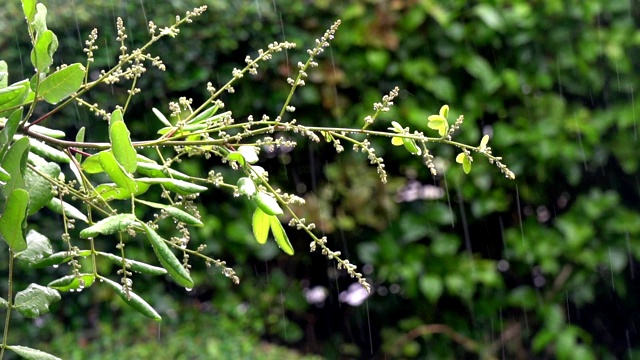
x: 9, y: 305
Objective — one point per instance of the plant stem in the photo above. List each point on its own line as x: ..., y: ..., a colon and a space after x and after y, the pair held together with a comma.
x: 9, y: 305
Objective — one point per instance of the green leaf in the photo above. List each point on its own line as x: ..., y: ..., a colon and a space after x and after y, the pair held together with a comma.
x: 267, y: 204
x: 13, y: 219
x: 161, y: 117
x: 177, y: 186
x: 177, y: 213
x: 411, y: 146
x: 9, y: 130
x: 110, y: 225
x: 35, y: 300
x: 116, y: 172
x: 168, y: 260
x: 91, y: 165
x: 29, y: 9
x: 14, y: 95
x: 135, y: 266
x: 280, y: 235
x: 4, y: 175
x: 4, y: 74
x: 15, y: 163
x: 154, y: 170
x: 207, y: 115
x: 397, y: 127
x: 120, y: 139
x: 42, y: 53
x: 438, y: 122
x: 38, y: 248
x: 56, y: 134
x: 397, y: 141
x: 69, y: 210
x: 40, y: 190
x: 246, y: 186
x: 484, y: 142
x: 236, y: 156
x: 3, y: 303
x: 39, y: 21
x: 444, y: 111
x: 431, y: 287
x: 72, y: 282
x: 465, y: 160
x: 183, y: 130
x: 31, y: 354
x: 62, y: 83
x: 260, y: 225
x: 58, y: 258
x: 80, y: 138
x: 45, y: 150
x: 133, y: 300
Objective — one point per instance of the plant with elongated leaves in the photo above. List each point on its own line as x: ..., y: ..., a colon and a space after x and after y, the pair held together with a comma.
x: 32, y: 156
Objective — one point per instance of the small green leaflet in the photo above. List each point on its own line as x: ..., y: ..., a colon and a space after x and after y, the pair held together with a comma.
x: 72, y: 282
x: 260, y: 224
x: 120, y: 139
x: 13, y: 220
x: 280, y: 235
x: 31, y: 354
x: 267, y: 204
x: 35, y: 300
x: 168, y: 260
x: 110, y: 225
x: 465, y: 160
x: 133, y: 300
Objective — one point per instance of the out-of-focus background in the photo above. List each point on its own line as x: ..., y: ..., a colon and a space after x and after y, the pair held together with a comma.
x: 462, y: 266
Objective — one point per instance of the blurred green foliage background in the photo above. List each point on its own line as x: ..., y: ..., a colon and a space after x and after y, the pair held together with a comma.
x: 545, y: 266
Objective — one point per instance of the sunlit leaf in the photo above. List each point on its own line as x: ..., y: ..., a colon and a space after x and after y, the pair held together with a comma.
x: 29, y: 9
x: 4, y: 74
x: 14, y: 94
x: 45, y: 150
x: 260, y: 223
x: 110, y: 225
x: 246, y: 186
x: 444, y: 111
x: 161, y: 117
x: 249, y: 153
x: 12, y: 220
x: 35, y: 300
x: 39, y: 21
x: 42, y: 53
x: 206, y: 115
x: 38, y: 248
x: 62, y: 83
x: 397, y: 141
x: 133, y: 300
x: 120, y: 138
x: 484, y: 142
x: 438, y: 122
x: 267, y: 204
x: 465, y: 160
x: 91, y: 165
x: 280, y: 235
